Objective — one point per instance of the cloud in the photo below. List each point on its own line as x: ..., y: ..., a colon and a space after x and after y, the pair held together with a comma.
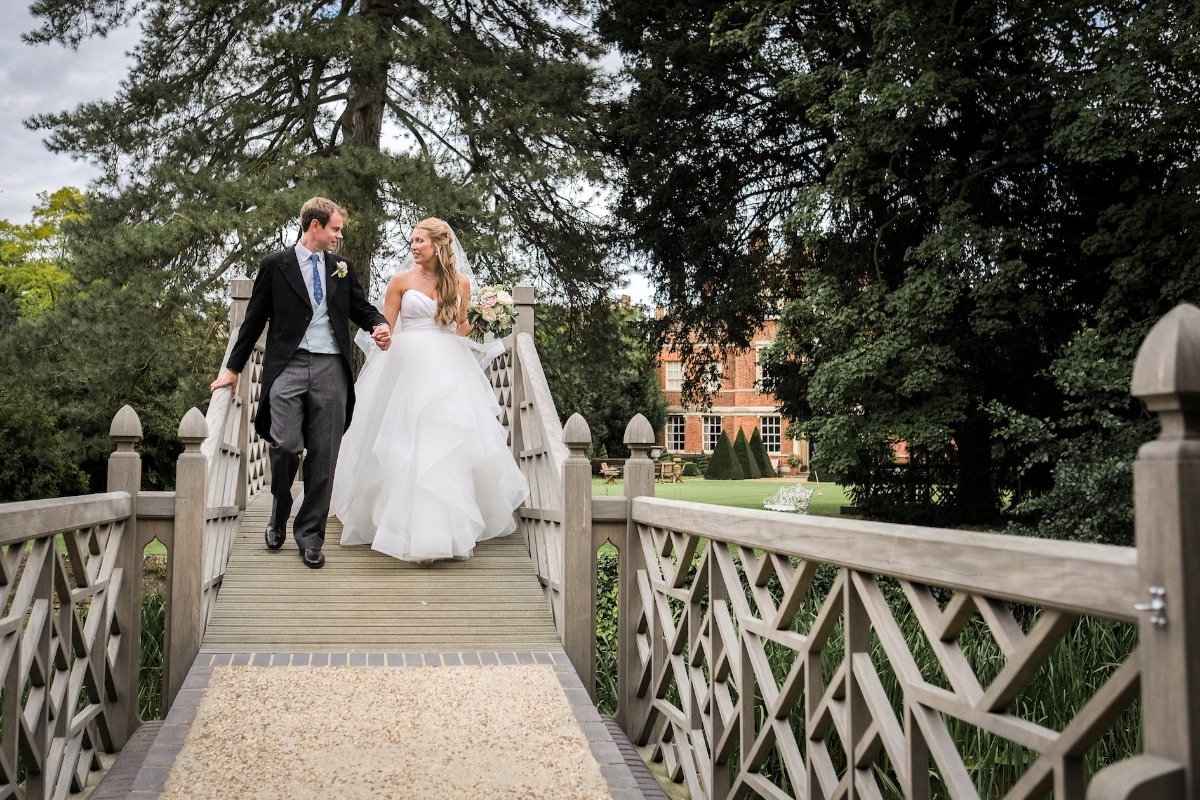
x: 48, y: 78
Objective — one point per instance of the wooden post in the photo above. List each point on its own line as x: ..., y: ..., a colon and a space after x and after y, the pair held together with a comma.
x: 579, y: 555
x: 239, y: 289
x: 185, y: 562
x: 633, y: 705
x: 523, y: 300
x: 125, y: 475
x: 1166, y: 481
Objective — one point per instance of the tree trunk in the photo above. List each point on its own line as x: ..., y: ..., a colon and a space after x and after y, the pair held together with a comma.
x: 976, y: 500
x: 363, y: 122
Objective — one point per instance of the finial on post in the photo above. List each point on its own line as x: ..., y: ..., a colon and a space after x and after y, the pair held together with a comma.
x: 126, y: 428
x: 577, y: 436
x: 1166, y: 373
x: 193, y: 429
x: 639, y: 436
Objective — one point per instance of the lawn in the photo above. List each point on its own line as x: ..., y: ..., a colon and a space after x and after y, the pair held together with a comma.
x: 827, y: 500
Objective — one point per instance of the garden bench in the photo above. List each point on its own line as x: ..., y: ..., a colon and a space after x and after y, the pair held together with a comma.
x: 794, y: 498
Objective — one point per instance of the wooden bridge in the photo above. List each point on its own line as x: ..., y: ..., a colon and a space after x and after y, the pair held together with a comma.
x: 760, y: 654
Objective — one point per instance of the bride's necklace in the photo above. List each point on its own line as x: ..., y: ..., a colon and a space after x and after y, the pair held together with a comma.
x: 430, y: 278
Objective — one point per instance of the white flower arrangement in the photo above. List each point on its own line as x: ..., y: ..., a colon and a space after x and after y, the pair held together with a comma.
x: 490, y: 311
x: 339, y: 268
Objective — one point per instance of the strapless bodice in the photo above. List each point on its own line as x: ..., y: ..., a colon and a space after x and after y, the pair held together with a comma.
x: 417, y: 311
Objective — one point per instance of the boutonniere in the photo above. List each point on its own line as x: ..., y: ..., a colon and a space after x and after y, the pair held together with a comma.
x: 339, y: 269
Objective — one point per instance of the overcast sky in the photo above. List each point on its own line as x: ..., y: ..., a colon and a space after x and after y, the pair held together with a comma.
x: 40, y: 79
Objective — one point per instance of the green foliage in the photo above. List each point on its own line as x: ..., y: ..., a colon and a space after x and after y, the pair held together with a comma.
x: 34, y: 257
x: 945, y: 202
x: 745, y: 458
x: 599, y: 362
x: 761, y: 456
x: 724, y: 465
x: 95, y: 347
x: 34, y: 461
x: 232, y: 115
x: 691, y: 470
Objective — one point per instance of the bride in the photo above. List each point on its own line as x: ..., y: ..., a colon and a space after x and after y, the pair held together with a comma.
x: 425, y: 471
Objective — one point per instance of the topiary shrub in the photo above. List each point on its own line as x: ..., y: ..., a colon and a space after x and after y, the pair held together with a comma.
x: 761, y: 455
x: 723, y: 464
x: 741, y: 448
x: 690, y: 470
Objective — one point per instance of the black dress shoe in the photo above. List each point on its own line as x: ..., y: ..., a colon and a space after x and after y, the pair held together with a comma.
x: 274, y: 537
x: 312, y: 557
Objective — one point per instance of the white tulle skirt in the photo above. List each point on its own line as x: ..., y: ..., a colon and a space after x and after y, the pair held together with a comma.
x: 425, y: 471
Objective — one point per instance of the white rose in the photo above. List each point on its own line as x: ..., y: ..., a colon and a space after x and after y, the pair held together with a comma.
x: 504, y: 298
x: 489, y: 313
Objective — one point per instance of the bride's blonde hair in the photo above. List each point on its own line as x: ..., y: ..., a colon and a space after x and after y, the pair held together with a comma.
x: 446, y: 269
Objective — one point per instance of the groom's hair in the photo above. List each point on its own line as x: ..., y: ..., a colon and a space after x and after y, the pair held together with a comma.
x: 320, y: 209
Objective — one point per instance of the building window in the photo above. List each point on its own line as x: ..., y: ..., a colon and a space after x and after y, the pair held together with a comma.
x: 758, y: 364
x: 772, y: 440
x: 712, y: 432
x: 675, y: 439
x: 674, y: 376
x: 714, y: 371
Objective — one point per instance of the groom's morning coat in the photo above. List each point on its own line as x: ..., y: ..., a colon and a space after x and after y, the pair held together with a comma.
x: 281, y: 298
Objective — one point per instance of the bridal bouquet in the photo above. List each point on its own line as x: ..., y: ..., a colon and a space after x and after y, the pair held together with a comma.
x: 490, y: 311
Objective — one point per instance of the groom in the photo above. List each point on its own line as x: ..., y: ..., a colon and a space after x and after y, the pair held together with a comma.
x: 309, y: 296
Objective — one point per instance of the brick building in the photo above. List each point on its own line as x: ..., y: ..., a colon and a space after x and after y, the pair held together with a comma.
x: 739, y: 402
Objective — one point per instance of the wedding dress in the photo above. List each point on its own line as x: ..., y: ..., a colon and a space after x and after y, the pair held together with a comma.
x: 425, y: 471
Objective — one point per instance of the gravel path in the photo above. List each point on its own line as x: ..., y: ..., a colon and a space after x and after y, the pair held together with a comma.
x: 348, y: 732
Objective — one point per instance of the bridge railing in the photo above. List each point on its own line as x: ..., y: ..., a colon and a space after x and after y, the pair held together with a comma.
x: 71, y: 574
x: 535, y: 434
x: 774, y: 655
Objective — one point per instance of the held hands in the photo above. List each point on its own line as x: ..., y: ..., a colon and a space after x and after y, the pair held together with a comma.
x: 227, y: 378
x: 382, y: 335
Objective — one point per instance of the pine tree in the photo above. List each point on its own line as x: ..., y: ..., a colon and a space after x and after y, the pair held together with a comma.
x: 234, y: 113
x: 761, y: 455
x: 723, y: 464
x: 741, y: 448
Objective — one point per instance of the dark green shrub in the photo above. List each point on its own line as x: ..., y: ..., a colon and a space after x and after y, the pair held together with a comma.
x: 761, y: 455
x: 741, y: 448
x: 724, y: 466
x: 690, y: 470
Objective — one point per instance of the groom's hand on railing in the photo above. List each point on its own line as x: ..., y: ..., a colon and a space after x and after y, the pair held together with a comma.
x: 227, y: 378
x: 382, y: 335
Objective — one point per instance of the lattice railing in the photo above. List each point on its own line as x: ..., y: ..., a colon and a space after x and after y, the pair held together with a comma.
x: 824, y: 658
x: 65, y: 698
x: 763, y: 654
x: 236, y: 457
x: 535, y: 434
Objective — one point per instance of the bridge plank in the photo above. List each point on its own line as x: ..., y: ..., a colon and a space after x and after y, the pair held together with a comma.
x: 363, y: 600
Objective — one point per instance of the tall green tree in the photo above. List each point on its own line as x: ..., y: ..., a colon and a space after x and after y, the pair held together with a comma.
x: 235, y: 112
x: 78, y: 350
x: 959, y: 208
x: 600, y: 362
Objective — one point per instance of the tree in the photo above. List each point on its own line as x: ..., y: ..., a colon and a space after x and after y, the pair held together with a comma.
x: 82, y: 350
x: 952, y: 206
x: 600, y: 362
x: 761, y: 456
x: 33, y: 256
x: 724, y: 464
x: 745, y: 458
x: 234, y: 113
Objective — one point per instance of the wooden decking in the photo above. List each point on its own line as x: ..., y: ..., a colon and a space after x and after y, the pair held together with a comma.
x: 364, y: 601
